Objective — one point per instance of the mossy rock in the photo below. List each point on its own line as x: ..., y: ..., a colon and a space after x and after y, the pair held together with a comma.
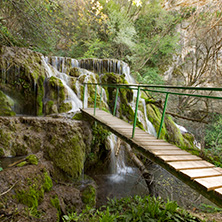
x: 19, y: 149
x: 22, y: 79
x: 78, y: 116
x: 23, y: 163
x: 40, y: 95
x: 6, y: 105
x: 32, y: 159
x: 65, y: 107
x: 32, y: 193
x: 56, y: 203
x: 5, y: 140
x: 2, y: 152
x: 175, y: 136
x: 67, y: 155
x: 189, y: 137
x: 57, y: 89
x: 89, y: 196
x: 50, y: 107
x: 125, y: 95
x: 154, y: 117
x: 75, y: 72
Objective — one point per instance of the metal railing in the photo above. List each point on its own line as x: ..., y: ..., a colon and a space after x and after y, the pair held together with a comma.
x: 152, y: 88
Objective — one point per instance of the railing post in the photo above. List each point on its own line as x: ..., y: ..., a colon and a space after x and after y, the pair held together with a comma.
x: 84, y: 91
x: 95, y: 101
x: 101, y: 95
x: 135, y: 115
x: 163, y: 115
x: 117, y: 93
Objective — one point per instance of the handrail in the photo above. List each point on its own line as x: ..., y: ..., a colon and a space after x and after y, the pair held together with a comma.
x: 145, y: 87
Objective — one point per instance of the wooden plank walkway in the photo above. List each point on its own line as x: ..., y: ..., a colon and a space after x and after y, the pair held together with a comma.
x: 192, y: 170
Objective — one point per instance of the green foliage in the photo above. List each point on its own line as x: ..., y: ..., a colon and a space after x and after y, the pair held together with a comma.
x: 99, y: 134
x: 47, y: 185
x: 142, y: 35
x: 149, y: 75
x: 56, y: 203
x: 213, y: 138
x: 134, y: 209
x: 28, y: 23
x: 209, y: 208
x: 89, y: 196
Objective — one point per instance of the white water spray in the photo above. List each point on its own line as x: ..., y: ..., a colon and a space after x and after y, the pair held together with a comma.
x: 118, y: 166
x: 72, y: 97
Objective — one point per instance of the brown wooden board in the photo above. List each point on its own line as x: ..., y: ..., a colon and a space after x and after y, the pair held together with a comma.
x: 168, y: 152
x: 219, y: 169
x: 211, y: 183
x: 186, y: 165
x: 218, y: 191
x: 180, y: 158
x: 201, y: 173
x: 161, y: 147
x: 153, y: 143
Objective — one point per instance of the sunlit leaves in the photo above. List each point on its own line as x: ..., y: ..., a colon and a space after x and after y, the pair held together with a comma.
x: 138, y: 3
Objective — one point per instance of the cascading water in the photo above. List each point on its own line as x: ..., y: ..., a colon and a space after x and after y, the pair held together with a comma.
x: 72, y: 97
x: 118, y: 166
x: 123, y: 181
x: 149, y: 126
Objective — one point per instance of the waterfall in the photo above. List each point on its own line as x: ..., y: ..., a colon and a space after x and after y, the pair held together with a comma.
x: 142, y: 118
x: 149, y: 126
x: 72, y: 97
x: 184, y: 130
x: 118, y: 166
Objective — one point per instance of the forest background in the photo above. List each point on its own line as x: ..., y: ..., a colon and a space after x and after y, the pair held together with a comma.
x: 164, y: 42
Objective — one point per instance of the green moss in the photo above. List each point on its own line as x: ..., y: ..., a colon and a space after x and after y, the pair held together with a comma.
x: 56, y: 203
x: 50, y: 107
x: 154, y: 117
x: 33, y: 193
x: 68, y: 155
x: 6, y: 105
x: 78, y: 116
x: 40, y: 95
x: 23, y: 163
x: 75, y: 72
x: 65, y: 107
x: 99, y: 135
x: 1, y: 152
x: 5, y: 139
x: 174, y: 135
x: 18, y: 149
x: 47, y: 185
x: 189, y: 137
x: 32, y: 159
x: 89, y: 196
x: 57, y: 89
x: 30, y: 197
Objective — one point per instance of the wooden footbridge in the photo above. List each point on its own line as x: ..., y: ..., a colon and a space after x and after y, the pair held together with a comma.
x: 192, y: 170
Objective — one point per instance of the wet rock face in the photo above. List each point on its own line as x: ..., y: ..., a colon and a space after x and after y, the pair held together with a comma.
x: 21, y: 77
x: 64, y: 142
x: 30, y: 194
x: 40, y: 187
x: 6, y: 105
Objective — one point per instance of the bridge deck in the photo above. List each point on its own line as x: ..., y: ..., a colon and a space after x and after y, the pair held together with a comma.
x: 192, y: 170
